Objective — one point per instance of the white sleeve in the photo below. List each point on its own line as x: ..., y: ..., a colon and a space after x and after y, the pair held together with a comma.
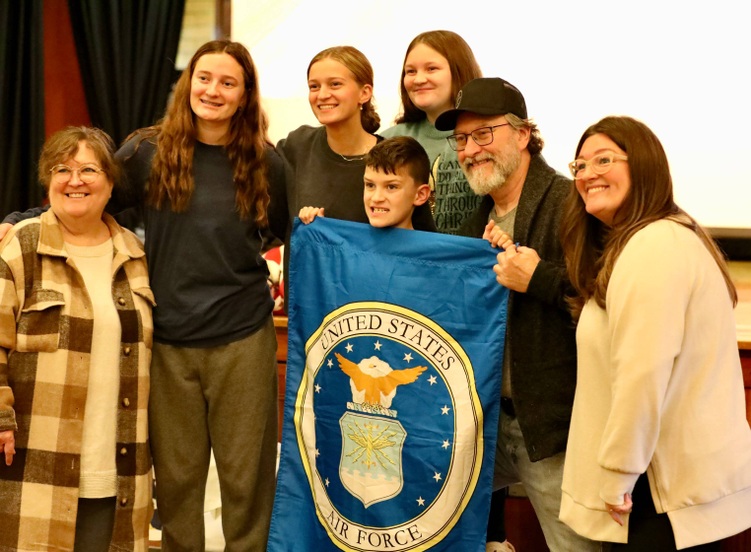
x: 646, y: 302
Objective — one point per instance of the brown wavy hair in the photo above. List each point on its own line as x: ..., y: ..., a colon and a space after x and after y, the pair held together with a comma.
x: 354, y: 60
x: 171, y: 180
x: 462, y: 63
x: 590, y: 247
x: 65, y: 143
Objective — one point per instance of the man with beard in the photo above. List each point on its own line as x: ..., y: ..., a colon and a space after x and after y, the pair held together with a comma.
x: 499, y: 150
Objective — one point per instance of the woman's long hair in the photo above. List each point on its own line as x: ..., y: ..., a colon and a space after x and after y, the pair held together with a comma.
x: 171, y: 179
x: 356, y: 62
x: 462, y: 63
x: 590, y: 247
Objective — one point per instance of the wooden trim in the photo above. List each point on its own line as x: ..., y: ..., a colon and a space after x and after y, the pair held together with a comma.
x: 224, y: 18
x: 727, y: 232
x: 280, y: 321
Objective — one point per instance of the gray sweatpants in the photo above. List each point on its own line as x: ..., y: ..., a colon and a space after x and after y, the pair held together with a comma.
x: 226, y: 398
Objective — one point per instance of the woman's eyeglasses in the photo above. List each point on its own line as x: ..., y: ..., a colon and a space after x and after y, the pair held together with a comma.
x: 599, y: 164
x: 86, y: 173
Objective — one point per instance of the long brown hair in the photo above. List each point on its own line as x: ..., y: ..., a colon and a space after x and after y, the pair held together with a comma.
x: 356, y: 62
x: 462, y: 63
x: 171, y: 177
x: 590, y: 247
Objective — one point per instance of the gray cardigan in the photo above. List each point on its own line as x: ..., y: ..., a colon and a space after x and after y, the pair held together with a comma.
x: 541, y: 333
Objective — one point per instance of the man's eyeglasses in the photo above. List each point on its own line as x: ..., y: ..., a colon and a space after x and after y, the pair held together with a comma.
x: 599, y: 164
x: 87, y: 173
x: 482, y: 137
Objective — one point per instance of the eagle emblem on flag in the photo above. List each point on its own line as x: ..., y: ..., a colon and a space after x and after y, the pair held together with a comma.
x: 392, y: 391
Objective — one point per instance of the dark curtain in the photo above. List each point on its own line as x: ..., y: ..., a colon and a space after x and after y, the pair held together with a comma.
x: 21, y: 104
x: 126, y: 50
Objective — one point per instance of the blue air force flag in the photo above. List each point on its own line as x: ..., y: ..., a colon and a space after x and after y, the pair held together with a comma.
x: 393, y: 378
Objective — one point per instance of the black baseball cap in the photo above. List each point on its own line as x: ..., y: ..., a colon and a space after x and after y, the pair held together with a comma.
x: 486, y: 96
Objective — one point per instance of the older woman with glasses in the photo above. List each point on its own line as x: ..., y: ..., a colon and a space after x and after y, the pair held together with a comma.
x: 659, y: 452
x: 75, y: 348
x: 210, y: 185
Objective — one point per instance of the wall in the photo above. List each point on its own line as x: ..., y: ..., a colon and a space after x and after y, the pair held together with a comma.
x: 679, y: 68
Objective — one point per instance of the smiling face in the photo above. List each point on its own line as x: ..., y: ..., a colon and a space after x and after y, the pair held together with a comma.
x: 488, y: 167
x: 427, y: 79
x: 390, y: 199
x: 334, y: 94
x: 217, y: 90
x: 75, y: 201
x: 603, y: 194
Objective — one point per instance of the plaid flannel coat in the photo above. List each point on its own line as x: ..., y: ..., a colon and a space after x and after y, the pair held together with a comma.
x: 45, y: 346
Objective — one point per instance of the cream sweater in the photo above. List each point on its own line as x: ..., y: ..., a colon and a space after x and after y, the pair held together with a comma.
x: 660, y: 390
x: 98, y: 470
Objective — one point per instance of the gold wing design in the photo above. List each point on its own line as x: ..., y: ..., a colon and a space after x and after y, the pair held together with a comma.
x: 399, y: 377
x: 374, y: 386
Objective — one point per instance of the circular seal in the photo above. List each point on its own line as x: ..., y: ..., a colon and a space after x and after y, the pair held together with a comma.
x: 389, y: 427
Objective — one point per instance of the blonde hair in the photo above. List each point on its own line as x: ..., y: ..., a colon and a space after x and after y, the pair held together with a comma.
x: 356, y: 62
